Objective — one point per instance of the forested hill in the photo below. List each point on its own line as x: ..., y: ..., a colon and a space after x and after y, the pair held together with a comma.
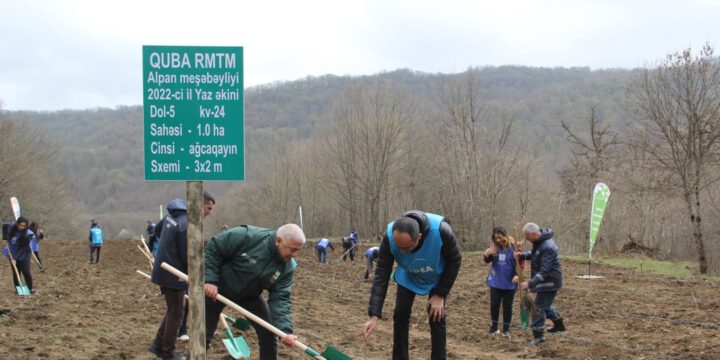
x: 102, y: 149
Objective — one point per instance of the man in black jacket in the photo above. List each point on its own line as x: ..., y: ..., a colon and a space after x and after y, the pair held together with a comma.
x: 546, y: 279
x: 428, y: 258
x: 172, y: 250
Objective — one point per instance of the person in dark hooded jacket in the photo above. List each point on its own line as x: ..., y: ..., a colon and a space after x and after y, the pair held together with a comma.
x: 546, y: 279
x: 172, y: 250
x: 423, y: 244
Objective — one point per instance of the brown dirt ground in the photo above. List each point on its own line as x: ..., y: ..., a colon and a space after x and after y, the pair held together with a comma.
x: 107, y: 311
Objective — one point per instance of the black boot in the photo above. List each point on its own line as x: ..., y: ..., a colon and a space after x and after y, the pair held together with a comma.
x: 558, y: 326
x: 537, y: 337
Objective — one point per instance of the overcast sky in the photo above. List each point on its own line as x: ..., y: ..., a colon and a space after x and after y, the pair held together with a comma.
x: 84, y: 54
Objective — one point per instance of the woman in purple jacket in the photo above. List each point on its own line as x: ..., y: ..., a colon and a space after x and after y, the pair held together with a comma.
x: 500, y: 279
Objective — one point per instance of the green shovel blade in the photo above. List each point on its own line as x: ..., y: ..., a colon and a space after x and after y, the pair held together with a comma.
x: 523, y: 318
x: 236, y: 346
x: 22, y: 290
x: 332, y: 353
x: 239, y: 322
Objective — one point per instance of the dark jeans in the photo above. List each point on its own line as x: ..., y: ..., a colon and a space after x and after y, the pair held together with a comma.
x: 266, y: 340
x: 368, y: 267
x: 322, y: 255
x: 351, y: 253
x: 544, y: 301
x: 96, y: 249
x: 23, y: 267
x: 498, y: 296
x: 170, y: 325
x: 401, y: 322
x: 183, y: 326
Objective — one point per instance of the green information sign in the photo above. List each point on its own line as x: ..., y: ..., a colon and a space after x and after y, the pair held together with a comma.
x: 194, y: 113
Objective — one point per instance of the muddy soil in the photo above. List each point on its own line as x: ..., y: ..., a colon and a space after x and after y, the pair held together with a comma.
x: 107, y: 311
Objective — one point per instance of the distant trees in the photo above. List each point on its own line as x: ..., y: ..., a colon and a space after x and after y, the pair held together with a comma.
x: 473, y: 164
x: 678, y: 107
x: 28, y: 172
x: 364, y: 147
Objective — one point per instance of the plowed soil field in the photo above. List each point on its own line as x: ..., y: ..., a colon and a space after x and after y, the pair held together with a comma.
x: 108, y: 311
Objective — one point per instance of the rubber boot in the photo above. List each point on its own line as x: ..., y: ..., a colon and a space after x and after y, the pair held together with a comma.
x: 558, y: 326
x: 537, y: 337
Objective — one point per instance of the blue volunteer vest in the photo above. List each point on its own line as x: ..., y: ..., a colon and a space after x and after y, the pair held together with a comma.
x: 322, y: 244
x: 96, y: 236
x: 420, y: 271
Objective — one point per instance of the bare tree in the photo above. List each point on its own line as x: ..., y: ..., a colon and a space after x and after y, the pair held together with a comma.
x: 364, y: 148
x: 678, y: 105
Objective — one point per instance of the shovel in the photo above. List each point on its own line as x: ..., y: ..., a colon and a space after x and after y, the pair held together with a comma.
x: 524, y: 297
x: 21, y: 289
x: 340, y: 259
x: 329, y: 354
x: 236, y: 346
x: 239, y: 322
x: 40, y: 265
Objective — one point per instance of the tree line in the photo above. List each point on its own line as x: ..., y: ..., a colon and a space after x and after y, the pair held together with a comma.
x: 485, y: 147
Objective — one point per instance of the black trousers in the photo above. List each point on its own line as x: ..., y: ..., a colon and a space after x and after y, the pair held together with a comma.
x: 23, y: 267
x: 504, y: 297
x: 266, y: 340
x: 168, y: 331
x: 95, y: 249
x: 401, y: 323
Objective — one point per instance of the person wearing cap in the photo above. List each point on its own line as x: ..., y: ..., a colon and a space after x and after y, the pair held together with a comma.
x: 96, y: 241
x: 424, y: 246
x: 172, y: 250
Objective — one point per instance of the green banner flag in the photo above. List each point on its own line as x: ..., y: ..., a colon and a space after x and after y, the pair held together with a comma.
x: 601, y: 194
x: 161, y: 213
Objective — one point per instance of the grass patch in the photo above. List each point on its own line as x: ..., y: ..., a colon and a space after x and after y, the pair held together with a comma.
x: 678, y: 269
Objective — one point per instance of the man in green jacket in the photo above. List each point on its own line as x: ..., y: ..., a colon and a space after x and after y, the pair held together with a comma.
x: 243, y: 262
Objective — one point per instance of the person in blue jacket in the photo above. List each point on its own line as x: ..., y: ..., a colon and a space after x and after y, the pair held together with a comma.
x: 172, y: 250
x: 371, y: 256
x: 546, y: 279
x: 321, y: 248
x: 18, y: 242
x: 35, y: 243
x: 501, y: 254
x: 424, y: 246
x: 96, y: 241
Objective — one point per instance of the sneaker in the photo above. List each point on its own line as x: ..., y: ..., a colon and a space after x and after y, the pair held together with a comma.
x: 493, y: 331
x: 184, y: 337
x: 506, y: 334
x: 537, y: 341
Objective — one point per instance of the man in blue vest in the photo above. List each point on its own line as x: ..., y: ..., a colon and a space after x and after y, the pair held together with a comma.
x: 96, y: 240
x: 321, y: 248
x: 423, y: 244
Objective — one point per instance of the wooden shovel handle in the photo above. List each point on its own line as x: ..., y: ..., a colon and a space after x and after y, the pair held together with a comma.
x: 14, y: 267
x: 348, y: 251
x: 222, y: 316
x: 244, y: 312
